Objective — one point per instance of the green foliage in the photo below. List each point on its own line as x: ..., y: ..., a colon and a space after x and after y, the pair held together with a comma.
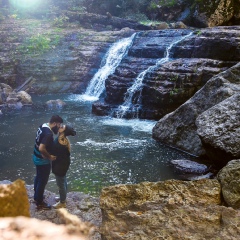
x: 60, y: 21
x: 38, y: 44
x: 174, y: 91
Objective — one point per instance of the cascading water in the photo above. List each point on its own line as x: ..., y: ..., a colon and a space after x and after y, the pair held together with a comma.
x: 110, y: 61
x: 137, y: 86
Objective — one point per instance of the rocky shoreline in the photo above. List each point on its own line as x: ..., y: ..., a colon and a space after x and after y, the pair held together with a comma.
x: 171, y: 209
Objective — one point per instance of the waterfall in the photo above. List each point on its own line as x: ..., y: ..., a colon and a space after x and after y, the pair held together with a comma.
x: 137, y: 86
x: 109, y: 63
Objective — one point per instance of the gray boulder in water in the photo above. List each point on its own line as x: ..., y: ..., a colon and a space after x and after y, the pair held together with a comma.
x: 55, y: 104
x: 188, y: 166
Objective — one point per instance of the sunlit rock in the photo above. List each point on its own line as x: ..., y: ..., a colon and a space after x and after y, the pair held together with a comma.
x: 230, y: 183
x: 14, y: 200
x: 167, y: 210
x: 25, y: 98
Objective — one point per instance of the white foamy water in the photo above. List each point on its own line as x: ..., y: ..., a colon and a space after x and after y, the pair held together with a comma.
x: 111, y: 146
x: 137, y: 85
x: 111, y: 60
x: 134, y: 124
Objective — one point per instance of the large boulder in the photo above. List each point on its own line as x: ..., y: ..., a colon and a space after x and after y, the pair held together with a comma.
x: 14, y: 200
x: 219, y: 130
x: 167, y: 210
x: 230, y: 183
x: 179, y: 129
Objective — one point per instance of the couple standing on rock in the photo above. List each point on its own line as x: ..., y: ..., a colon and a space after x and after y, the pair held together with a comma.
x: 52, y: 154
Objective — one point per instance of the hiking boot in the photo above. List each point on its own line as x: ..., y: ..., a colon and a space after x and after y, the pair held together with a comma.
x: 43, y: 206
x: 59, y: 205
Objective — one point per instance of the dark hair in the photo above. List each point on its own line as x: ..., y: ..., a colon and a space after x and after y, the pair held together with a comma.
x: 56, y: 119
x: 69, y: 131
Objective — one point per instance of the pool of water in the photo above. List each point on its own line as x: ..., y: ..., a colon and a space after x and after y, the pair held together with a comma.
x: 106, y: 151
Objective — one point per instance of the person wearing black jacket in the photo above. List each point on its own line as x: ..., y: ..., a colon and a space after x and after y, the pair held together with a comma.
x: 60, y: 166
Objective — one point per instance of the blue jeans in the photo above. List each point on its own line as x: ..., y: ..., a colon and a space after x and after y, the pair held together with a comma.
x: 40, y: 181
x: 62, y: 187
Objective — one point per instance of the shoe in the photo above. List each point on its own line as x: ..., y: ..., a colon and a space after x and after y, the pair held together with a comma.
x: 57, y: 198
x: 43, y: 206
x: 59, y: 205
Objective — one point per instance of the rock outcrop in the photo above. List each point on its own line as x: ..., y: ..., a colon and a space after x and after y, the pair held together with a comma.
x: 59, y: 60
x: 230, y: 183
x: 198, y: 13
x: 167, y: 210
x: 179, y: 128
x: 164, y: 84
x: 219, y: 130
x: 10, y: 99
x: 100, y: 22
x: 14, y: 200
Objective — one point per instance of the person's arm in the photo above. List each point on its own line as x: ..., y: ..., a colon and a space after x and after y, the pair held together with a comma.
x: 45, y: 153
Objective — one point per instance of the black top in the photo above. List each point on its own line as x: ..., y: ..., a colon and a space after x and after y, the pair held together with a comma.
x: 44, y: 136
x: 61, y: 164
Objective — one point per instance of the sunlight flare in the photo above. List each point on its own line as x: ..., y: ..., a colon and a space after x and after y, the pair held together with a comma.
x: 25, y: 4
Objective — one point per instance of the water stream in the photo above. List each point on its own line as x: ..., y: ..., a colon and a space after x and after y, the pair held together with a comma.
x: 106, y: 151
x: 129, y: 101
x: 109, y: 63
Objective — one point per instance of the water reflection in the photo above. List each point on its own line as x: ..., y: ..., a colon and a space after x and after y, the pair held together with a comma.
x: 106, y: 151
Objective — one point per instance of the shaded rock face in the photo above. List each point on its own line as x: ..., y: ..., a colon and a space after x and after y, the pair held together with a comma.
x: 167, y: 210
x: 165, y: 86
x: 179, y: 129
x: 230, y: 183
x: 14, y: 200
x: 219, y: 130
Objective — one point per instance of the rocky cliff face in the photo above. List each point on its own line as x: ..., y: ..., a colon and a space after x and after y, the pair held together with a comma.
x: 193, y: 60
x: 60, y: 60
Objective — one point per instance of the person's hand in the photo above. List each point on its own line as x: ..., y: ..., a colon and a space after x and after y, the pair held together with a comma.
x: 52, y: 158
